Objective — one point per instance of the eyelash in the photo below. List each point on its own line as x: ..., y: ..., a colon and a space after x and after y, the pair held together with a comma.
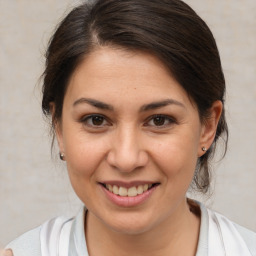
x: 170, y: 120
x: 85, y: 120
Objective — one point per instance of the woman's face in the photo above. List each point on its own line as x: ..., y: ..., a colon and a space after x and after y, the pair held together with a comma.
x: 128, y: 126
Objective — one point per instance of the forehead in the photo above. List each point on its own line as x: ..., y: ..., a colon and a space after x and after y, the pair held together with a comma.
x: 116, y: 74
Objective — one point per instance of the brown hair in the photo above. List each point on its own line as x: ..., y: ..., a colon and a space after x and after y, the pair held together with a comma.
x: 168, y: 29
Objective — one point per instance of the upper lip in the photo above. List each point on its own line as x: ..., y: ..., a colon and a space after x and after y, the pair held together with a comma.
x: 126, y: 184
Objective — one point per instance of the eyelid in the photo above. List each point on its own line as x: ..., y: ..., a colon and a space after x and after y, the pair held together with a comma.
x: 106, y: 122
x: 171, y: 120
x: 85, y: 118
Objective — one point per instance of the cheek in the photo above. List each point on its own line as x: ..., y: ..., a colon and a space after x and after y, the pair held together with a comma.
x: 177, y: 157
x: 84, y: 152
x: 84, y: 157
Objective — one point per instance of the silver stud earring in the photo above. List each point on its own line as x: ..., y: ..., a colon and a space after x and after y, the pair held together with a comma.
x: 204, y: 149
x: 62, y: 156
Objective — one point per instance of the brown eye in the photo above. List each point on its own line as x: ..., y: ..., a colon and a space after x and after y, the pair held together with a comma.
x: 159, y: 120
x: 97, y: 121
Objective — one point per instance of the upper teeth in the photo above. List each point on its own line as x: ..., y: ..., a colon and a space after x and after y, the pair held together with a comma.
x: 133, y: 191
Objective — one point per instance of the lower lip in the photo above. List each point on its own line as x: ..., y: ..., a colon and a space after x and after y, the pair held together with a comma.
x: 128, y: 201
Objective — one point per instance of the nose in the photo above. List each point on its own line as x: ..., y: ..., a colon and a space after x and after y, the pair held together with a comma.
x: 126, y: 152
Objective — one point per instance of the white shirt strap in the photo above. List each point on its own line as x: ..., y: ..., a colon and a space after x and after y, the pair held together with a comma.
x: 224, y: 239
x: 54, y: 237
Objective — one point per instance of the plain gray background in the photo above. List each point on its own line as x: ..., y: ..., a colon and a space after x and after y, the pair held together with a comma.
x: 34, y: 187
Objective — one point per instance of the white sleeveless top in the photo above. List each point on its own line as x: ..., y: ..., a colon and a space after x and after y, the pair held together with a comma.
x: 65, y: 237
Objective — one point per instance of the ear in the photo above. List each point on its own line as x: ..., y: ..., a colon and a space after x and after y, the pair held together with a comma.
x: 209, y: 127
x: 57, y: 128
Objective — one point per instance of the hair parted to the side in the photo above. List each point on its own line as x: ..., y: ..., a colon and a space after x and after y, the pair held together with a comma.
x: 168, y: 29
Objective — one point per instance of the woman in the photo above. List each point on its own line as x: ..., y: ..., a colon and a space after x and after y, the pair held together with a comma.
x: 135, y: 91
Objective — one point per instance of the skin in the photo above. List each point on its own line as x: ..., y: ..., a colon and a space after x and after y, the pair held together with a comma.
x: 130, y: 144
x: 7, y: 252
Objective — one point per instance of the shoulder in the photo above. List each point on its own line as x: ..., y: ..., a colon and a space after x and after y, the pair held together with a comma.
x: 248, y: 236
x: 41, y: 240
x: 233, y: 231
x: 27, y: 244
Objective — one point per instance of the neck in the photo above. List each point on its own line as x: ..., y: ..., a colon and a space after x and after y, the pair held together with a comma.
x: 178, y: 236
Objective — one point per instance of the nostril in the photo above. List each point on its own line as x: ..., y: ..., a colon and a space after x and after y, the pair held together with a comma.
x: 127, y: 161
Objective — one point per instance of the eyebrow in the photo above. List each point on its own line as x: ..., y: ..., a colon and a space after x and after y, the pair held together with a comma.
x: 160, y: 104
x: 94, y: 103
x: 146, y: 107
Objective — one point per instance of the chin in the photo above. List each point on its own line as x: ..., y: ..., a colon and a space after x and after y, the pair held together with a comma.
x: 131, y: 225
x: 130, y: 229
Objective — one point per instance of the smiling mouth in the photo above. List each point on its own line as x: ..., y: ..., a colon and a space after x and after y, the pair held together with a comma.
x: 129, y: 192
